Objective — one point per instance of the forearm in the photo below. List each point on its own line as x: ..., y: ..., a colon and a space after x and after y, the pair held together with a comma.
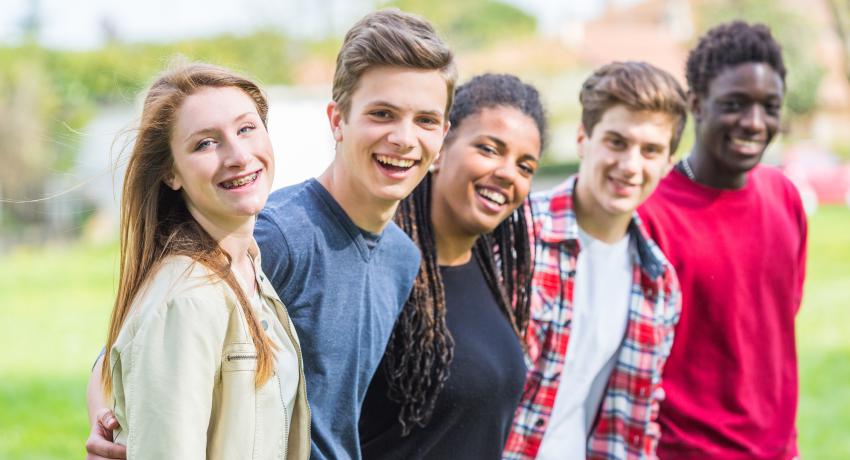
x: 95, y: 401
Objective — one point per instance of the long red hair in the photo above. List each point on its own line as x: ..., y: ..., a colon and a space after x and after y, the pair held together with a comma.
x: 155, y: 222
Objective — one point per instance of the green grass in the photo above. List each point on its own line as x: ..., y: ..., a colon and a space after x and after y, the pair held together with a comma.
x: 55, y: 302
x: 823, y: 338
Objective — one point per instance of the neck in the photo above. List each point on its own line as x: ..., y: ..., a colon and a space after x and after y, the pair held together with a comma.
x: 454, y: 247
x: 367, y: 212
x: 235, y: 238
x: 606, y: 227
x: 711, y: 173
x: 453, y: 250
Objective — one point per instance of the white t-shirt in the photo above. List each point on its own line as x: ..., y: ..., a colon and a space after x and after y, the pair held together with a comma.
x: 600, y: 315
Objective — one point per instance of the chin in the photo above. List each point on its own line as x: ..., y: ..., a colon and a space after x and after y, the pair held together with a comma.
x: 395, y: 192
x: 621, y: 206
x: 251, y: 209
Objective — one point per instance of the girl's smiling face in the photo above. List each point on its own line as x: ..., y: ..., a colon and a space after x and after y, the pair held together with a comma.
x: 223, y: 158
x: 485, y: 170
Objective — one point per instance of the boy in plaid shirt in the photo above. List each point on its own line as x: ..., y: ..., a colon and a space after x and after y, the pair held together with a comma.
x: 604, y: 298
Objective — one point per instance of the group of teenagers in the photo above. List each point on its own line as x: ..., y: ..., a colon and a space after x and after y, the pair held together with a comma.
x: 415, y: 301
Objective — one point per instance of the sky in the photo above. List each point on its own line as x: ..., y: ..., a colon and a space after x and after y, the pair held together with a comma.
x: 82, y: 24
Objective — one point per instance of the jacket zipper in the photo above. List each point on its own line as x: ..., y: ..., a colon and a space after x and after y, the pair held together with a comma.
x: 300, y: 368
x: 285, y: 419
x: 238, y: 357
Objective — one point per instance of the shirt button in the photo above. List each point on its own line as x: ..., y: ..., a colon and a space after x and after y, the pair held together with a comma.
x: 540, y: 422
x: 636, y: 440
x: 265, y: 325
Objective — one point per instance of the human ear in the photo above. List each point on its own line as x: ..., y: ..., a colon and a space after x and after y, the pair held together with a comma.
x: 438, y: 161
x: 581, y: 136
x: 695, y: 105
x: 335, y: 120
x: 173, y: 181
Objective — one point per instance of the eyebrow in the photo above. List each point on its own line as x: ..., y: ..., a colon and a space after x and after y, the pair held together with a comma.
x: 627, y: 138
x: 499, y: 143
x: 614, y: 133
x: 206, y: 131
x: 502, y: 146
x: 436, y: 113
x: 747, y: 95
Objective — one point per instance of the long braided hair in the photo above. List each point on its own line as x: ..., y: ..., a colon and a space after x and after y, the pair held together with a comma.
x: 420, y: 349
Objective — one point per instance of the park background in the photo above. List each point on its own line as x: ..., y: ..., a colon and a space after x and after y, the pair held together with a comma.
x: 70, y: 78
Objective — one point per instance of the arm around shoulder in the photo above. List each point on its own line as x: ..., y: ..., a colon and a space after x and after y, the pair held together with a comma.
x: 167, y: 373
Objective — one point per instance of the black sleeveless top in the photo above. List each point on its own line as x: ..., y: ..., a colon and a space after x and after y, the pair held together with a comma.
x: 474, y: 411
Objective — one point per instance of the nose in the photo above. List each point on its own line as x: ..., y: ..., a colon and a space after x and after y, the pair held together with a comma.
x: 629, y: 162
x: 505, y: 173
x: 753, y: 119
x: 237, y: 154
x: 401, y: 136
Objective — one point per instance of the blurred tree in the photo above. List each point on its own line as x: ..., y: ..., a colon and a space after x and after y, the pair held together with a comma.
x: 48, y: 96
x: 26, y: 104
x: 793, y: 31
x: 472, y: 23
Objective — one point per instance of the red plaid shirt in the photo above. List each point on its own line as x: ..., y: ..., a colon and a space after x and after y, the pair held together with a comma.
x: 625, y: 426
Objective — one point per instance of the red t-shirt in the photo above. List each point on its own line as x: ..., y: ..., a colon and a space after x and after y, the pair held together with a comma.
x: 731, y: 379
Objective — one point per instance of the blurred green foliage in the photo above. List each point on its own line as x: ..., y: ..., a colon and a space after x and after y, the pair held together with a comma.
x: 472, y: 23
x: 792, y: 30
x: 48, y: 96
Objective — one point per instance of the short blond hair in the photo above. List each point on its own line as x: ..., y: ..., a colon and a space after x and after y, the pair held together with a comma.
x: 638, y: 86
x: 390, y: 38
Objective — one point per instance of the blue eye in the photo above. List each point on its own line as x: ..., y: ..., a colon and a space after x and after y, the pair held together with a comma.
x: 204, y: 144
x: 246, y: 129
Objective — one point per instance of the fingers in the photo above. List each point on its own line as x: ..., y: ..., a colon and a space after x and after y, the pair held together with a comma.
x: 99, y: 445
x: 107, y: 420
x: 99, y: 448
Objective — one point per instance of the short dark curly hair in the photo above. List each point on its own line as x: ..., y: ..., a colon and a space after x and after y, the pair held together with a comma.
x: 498, y: 90
x: 728, y: 45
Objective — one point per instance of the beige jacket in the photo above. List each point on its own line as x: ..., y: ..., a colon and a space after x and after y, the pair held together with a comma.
x: 183, y: 374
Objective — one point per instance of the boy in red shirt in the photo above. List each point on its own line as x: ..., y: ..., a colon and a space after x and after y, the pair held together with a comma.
x: 735, y: 231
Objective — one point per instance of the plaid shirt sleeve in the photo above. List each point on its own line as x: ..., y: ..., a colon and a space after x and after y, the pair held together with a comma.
x: 670, y: 317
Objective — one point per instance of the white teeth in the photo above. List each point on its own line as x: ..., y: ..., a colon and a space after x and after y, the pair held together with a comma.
x: 624, y: 183
x: 493, y: 196
x: 747, y: 144
x: 241, y: 181
x: 398, y: 162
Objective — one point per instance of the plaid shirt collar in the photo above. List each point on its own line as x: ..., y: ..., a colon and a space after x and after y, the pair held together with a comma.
x: 560, y: 225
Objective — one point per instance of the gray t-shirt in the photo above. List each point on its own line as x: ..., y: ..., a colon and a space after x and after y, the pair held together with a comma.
x: 343, y: 294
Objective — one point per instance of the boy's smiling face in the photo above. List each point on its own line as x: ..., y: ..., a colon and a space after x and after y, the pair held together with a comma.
x: 392, y: 132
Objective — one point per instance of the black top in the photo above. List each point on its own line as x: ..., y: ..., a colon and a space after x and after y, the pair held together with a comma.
x: 474, y: 411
